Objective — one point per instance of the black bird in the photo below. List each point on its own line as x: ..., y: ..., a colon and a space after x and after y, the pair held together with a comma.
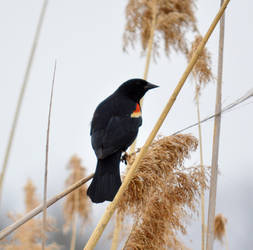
x: 114, y: 127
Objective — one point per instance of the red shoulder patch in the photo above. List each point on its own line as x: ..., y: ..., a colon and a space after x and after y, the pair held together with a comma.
x: 137, y: 109
x: 137, y: 112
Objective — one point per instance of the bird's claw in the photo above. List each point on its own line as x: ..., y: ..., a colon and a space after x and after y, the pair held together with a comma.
x: 124, y: 158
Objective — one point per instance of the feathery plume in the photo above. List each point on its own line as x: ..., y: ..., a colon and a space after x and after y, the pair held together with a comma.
x: 220, y: 227
x: 76, y: 202
x: 173, y: 19
x: 29, y: 235
x: 31, y: 201
x: 202, y: 71
x: 162, y: 193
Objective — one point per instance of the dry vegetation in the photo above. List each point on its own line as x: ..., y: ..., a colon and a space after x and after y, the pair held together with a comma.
x: 76, y: 202
x: 29, y: 235
x: 163, y: 194
x: 174, y: 18
x: 201, y: 72
x: 220, y: 227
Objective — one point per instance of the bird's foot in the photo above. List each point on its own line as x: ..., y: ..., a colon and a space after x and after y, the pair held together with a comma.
x: 124, y: 157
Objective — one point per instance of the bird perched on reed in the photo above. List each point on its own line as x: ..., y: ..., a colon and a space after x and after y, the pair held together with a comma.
x: 114, y: 127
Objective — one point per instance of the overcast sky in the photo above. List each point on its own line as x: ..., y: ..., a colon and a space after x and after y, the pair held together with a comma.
x: 85, y: 37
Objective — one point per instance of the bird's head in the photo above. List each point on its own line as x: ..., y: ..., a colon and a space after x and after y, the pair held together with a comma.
x: 135, y: 89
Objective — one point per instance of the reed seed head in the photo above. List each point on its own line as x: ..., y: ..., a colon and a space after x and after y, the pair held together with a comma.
x: 31, y: 201
x: 77, y: 201
x: 202, y: 71
x: 29, y: 235
x: 220, y: 222
x: 173, y: 19
x: 163, y: 194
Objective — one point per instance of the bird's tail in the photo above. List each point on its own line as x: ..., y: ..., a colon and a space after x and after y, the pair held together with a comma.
x: 106, y: 181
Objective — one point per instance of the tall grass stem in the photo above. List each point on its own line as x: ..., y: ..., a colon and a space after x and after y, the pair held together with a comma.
x: 21, y: 94
x: 203, y: 227
x: 44, y: 221
x: 216, y: 139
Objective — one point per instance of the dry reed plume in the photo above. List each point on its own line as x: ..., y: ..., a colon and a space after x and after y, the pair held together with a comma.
x: 220, y: 227
x: 201, y: 72
x: 29, y: 235
x: 76, y: 202
x: 173, y: 19
x: 162, y: 194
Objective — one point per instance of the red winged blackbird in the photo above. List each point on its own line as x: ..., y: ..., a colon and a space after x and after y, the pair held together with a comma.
x: 114, y: 127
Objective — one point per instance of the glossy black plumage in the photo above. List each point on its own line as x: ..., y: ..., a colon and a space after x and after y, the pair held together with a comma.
x: 114, y: 127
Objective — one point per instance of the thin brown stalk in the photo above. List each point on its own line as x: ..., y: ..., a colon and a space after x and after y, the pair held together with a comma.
x: 44, y: 221
x: 202, y: 74
x: 21, y: 94
x: 8, y: 230
x: 203, y: 227
x: 112, y: 206
x: 74, y: 230
x: 74, y: 222
x: 216, y: 138
x: 151, y: 39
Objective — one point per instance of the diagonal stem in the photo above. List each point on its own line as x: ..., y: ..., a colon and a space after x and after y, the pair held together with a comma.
x: 8, y: 230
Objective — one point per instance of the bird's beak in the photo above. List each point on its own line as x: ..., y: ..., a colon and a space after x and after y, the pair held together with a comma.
x: 150, y: 86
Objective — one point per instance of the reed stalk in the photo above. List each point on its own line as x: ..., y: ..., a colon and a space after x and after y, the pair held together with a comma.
x: 202, y: 196
x: 112, y: 206
x: 116, y: 232
x: 74, y: 230
x: 216, y: 138
x: 75, y: 215
x: 21, y: 94
x: 44, y: 221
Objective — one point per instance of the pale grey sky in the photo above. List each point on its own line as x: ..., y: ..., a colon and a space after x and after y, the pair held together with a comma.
x: 86, y: 39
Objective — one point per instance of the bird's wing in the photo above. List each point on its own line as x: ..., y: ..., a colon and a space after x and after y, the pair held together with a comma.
x: 119, y: 134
